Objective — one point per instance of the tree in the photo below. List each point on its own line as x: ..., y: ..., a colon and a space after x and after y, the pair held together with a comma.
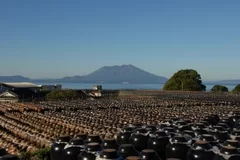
x: 236, y: 90
x: 62, y: 95
x: 219, y: 89
x: 187, y: 80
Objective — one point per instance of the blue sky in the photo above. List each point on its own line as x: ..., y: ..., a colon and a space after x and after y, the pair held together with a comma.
x: 56, y: 38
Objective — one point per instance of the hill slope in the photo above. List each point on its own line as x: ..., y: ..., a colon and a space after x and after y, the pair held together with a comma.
x: 118, y: 74
x: 107, y: 74
x: 15, y: 78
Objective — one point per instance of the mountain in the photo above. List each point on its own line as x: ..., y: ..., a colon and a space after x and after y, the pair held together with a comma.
x: 107, y: 74
x: 118, y: 74
x: 16, y: 78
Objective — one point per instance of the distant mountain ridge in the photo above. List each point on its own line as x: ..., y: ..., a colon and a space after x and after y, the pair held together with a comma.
x: 106, y: 74
x: 15, y: 78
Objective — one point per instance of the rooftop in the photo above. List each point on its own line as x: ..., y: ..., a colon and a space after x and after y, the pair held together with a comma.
x: 21, y: 85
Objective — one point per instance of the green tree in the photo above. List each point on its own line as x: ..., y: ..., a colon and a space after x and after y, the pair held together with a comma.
x: 187, y: 80
x: 62, y: 95
x: 219, y: 89
x: 236, y: 90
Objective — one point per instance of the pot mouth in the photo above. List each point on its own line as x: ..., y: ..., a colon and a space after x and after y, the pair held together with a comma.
x: 201, y: 145
x: 180, y: 140
x: 109, y: 154
x: 133, y: 158
x: 126, y: 148
x: 229, y: 150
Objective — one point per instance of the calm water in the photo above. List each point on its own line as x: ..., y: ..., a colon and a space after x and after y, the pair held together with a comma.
x: 126, y: 86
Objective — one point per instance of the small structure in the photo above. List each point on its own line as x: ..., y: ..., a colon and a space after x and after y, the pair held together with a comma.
x: 97, y: 91
x: 97, y: 87
x: 50, y: 87
x: 9, y: 96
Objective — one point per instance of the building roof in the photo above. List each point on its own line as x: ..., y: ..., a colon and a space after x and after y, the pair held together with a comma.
x: 8, y: 94
x: 21, y: 85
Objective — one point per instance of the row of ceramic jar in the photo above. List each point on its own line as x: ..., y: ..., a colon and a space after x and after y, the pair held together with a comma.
x: 159, y: 146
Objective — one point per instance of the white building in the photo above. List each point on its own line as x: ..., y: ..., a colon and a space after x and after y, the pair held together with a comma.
x: 9, y: 96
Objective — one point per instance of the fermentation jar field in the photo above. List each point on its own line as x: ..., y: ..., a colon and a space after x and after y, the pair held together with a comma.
x: 166, y: 126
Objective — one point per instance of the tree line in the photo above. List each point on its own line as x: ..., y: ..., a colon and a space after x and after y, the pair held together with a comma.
x: 190, y: 80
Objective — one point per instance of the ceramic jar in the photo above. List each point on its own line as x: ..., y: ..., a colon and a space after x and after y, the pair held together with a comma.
x: 149, y: 154
x: 58, y: 146
x: 73, y: 149
x: 158, y: 142
x: 139, y: 141
x: 201, y: 150
x: 108, y: 154
x: 178, y: 148
x: 127, y: 150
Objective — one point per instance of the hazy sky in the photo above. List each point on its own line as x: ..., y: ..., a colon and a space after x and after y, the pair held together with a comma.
x: 55, y: 38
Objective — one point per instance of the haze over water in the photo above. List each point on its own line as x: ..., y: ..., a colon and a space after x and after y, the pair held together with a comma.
x: 117, y: 86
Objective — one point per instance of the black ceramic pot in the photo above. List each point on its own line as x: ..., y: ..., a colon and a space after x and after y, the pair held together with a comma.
x: 208, y: 138
x: 237, y: 122
x: 151, y: 128
x: 178, y: 148
x: 189, y: 133
x: 229, y: 121
x: 9, y: 157
x: 149, y: 154
x: 205, y: 123
x: 232, y: 143
x: 200, y: 126
x: 108, y: 154
x: 200, y: 132
x: 58, y: 146
x: 169, y: 131
x: 93, y: 139
x: 201, y: 150
x: 90, y: 152
x: 181, y: 129
x: 224, y: 125
x: 123, y: 138
x: 128, y: 129
x: 221, y: 137
x: 162, y: 126
x: 76, y: 141
x: 109, y: 144
x: 140, y: 130
x: 219, y: 129
x: 93, y: 147
x: 235, y: 134
x: 139, y: 141
x: 86, y: 156
x: 160, y: 134
x: 137, y: 125
x: 71, y: 153
x: 226, y: 152
x: 159, y: 145
x: 82, y: 136
x: 3, y: 152
x: 127, y: 150
x: 211, y: 120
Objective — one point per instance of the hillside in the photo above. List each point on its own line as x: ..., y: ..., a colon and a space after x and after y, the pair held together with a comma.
x: 107, y: 74
x: 16, y: 78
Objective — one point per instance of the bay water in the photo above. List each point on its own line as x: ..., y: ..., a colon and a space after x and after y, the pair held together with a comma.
x: 119, y: 86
